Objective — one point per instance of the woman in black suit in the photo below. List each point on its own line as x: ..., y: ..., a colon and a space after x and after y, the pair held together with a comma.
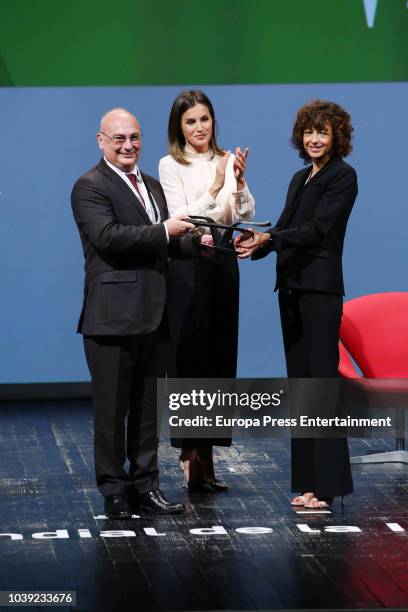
x: 308, y: 239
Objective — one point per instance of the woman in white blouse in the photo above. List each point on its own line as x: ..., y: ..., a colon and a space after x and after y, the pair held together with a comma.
x: 200, y: 178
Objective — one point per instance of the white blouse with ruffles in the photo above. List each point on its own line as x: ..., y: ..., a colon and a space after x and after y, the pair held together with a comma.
x: 186, y: 188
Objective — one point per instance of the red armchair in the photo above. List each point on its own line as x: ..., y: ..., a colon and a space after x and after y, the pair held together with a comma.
x: 374, y: 333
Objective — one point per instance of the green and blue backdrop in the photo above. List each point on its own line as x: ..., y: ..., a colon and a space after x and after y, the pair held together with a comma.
x: 63, y: 63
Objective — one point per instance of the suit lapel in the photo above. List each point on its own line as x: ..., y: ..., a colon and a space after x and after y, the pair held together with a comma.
x: 126, y: 191
x: 291, y: 199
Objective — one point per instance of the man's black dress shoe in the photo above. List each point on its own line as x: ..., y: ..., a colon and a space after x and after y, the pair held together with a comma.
x: 117, y: 507
x: 154, y: 501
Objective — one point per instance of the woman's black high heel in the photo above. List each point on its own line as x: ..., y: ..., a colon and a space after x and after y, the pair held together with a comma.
x: 205, y: 460
x: 192, y: 474
x: 198, y: 471
x: 217, y: 485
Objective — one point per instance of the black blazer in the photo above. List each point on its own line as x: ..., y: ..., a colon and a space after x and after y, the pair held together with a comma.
x: 309, y: 234
x: 125, y: 254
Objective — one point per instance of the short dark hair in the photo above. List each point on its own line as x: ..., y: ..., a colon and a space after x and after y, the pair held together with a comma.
x: 316, y: 114
x: 184, y: 101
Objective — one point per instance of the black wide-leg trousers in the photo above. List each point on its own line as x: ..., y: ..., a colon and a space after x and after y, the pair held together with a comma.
x: 310, y: 326
x: 124, y: 371
x: 203, y: 309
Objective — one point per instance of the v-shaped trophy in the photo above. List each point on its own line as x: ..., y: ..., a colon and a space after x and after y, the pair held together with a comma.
x: 223, y: 235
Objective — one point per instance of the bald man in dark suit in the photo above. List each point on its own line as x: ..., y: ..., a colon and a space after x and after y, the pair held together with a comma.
x: 126, y: 237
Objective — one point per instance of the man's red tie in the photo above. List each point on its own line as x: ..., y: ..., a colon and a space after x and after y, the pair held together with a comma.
x: 132, y: 178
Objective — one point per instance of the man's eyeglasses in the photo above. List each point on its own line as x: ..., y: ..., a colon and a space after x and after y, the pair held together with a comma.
x: 119, y: 139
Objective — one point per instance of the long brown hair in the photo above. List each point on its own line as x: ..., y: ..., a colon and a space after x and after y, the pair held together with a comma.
x: 177, y: 142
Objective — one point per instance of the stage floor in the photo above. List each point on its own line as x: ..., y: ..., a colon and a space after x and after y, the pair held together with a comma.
x: 352, y: 557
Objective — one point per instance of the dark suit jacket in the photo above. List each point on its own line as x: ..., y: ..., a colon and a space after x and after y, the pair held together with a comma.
x: 125, y: 254
x: 309, y: 234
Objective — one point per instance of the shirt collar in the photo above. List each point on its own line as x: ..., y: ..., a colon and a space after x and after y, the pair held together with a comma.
x: 121, y: 173
x: 191, y: 152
